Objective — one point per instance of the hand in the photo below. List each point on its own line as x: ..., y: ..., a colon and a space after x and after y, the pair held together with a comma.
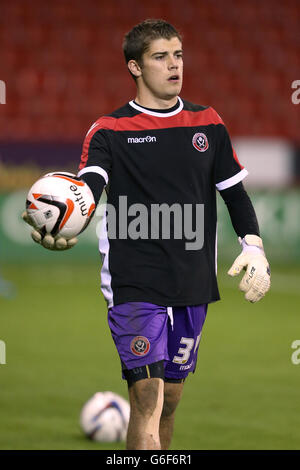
x: 257, y: 280
x: 47, y: 241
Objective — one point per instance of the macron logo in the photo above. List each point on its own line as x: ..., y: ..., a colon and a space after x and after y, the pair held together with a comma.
x: 141, y: 140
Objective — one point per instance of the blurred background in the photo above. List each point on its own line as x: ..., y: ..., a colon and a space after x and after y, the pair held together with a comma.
x: 62, y: 67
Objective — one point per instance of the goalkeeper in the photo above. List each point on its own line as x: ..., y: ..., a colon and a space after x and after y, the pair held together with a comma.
x: 159, y: 149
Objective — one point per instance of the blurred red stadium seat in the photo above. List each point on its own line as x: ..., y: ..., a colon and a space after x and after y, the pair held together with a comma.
x: 64, y: 64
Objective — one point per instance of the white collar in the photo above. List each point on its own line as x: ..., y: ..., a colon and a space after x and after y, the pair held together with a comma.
x: 153, y: 113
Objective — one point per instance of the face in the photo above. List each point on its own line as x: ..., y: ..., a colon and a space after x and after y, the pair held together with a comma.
x: 160, y: 74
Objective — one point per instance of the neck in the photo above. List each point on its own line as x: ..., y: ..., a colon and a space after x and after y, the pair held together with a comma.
x: 154, y: 102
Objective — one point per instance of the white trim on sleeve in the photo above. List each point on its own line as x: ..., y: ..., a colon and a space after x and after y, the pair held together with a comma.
x: 232, y: 181
x: 94, y: 169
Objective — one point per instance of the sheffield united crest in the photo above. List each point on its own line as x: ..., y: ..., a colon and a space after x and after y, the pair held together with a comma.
x: 140, y: 346
x: 200, y: 142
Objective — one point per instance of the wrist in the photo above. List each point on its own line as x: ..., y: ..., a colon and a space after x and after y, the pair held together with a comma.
x: 252, y: 243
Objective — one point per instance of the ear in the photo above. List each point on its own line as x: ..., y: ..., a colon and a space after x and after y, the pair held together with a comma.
x: 134, y: 68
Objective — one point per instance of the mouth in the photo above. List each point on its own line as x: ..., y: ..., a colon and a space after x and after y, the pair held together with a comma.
x: 174, y: 78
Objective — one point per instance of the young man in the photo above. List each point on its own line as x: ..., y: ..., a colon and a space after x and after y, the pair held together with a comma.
x: 163, y: 158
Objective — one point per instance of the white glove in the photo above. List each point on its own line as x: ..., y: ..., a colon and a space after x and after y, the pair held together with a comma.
x: 47, y: 241
x: 257, y: 280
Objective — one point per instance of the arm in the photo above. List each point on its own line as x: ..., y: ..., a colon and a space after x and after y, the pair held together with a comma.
x: 241, y: 210
x: 256, y: 281
x: 96, y: 183
x: 228, y: 174
x: 94, y: 169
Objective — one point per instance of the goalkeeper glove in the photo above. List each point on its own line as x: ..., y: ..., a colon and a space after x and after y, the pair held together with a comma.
x: 257, y: 280
x: 47, y: 241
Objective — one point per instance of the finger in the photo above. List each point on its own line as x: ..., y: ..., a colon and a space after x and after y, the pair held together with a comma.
x: 258, y: 289
x: 254, y: 272
x: 262, y: 284
x: 26, y: 218
x: 237, y: 267
x: 257, y: 275
x: 72, y: 242
x: 64, y: 244
x: 248, y: 279
x: 253, y: 295
x: 36, y: 236
x: 48, y: 242
x: 61, y: 243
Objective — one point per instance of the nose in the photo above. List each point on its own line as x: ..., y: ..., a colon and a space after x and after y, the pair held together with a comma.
x: 172, y: 63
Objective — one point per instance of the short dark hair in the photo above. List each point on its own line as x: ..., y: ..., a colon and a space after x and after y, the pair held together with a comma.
x: 137, y: 40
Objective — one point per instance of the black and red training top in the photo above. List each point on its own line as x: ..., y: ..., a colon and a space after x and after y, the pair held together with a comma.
x: 161, y: 169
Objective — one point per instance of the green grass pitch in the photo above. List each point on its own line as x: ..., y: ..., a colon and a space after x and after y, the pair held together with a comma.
x: 244, y: 394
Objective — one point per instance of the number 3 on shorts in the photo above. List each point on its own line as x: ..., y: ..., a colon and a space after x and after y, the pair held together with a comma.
x: 185, y: 352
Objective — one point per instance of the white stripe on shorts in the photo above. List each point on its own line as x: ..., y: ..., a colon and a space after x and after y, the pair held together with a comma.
x: 170, y: 315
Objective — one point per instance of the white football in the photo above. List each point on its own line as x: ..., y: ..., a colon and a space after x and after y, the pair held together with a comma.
x: 105, y: 417
x: 60, y: 204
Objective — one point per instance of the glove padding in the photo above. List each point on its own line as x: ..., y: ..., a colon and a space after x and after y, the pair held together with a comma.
x: 257, y: 280
x: 47, y: 241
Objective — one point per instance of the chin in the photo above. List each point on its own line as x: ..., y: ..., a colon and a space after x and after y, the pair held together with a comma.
x: 170, y: 94
x: 175, y: 90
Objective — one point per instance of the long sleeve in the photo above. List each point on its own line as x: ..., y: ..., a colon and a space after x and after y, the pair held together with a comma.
x: 241, y: 210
